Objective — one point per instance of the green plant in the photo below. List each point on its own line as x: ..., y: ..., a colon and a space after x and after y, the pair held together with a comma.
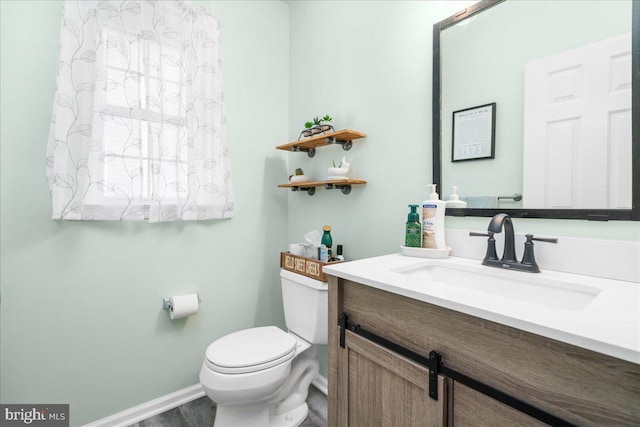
x: 317, y: 121
x: 297, y: 173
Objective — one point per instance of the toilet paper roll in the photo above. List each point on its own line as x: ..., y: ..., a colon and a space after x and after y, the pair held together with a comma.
x: 183, y: 306
x: 296, y: 249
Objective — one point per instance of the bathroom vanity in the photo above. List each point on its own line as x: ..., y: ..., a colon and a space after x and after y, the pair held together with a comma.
x: 558, y: 348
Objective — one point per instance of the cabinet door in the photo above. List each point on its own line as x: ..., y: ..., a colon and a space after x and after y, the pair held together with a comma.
x: 472, y: 408
x: 378, y: 387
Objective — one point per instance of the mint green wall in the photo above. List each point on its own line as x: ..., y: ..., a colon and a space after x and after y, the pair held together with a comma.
x: 80, y: 317
x: 367, y: 64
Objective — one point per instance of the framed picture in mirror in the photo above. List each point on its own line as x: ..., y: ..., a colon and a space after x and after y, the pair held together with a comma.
x: 474, y: 134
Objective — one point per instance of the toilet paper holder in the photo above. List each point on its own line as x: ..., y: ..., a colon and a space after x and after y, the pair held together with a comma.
x: 167, y: 304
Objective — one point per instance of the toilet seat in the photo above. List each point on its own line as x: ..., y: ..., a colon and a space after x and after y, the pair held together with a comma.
x: 250, y: 350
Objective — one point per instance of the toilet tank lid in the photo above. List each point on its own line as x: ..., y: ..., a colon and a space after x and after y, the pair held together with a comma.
x: 250, y: 347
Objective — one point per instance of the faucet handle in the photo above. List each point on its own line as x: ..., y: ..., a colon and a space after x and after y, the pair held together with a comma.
x: 529, y: 259
x: 530, y: 237
x: 491, y: 244
x: 487, y: 234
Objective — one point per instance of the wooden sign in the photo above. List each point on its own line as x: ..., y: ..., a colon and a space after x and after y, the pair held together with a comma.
x: 305, y: 266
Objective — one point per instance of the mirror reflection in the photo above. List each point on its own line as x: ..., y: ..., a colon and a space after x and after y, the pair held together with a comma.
x: 559, y: 74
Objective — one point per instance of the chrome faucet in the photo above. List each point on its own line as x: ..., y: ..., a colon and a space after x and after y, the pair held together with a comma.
x: 509, y: 260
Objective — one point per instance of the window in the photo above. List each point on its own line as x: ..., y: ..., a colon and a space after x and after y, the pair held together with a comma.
x: 138, y: 125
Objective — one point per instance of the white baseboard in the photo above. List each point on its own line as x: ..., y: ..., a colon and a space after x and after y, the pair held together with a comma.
x: 321, y: 384
x: 151, y: 408
x: 170, y: 401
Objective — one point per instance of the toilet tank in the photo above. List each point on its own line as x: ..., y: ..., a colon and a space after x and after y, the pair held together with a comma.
x: 305, y: 302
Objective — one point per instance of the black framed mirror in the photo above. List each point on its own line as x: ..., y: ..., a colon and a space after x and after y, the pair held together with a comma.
x: 454, y: 41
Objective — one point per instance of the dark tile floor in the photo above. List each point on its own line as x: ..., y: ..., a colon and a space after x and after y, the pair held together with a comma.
x: 202, y: 412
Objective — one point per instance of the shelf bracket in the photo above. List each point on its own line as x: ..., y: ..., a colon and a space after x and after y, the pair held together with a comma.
x: 310, y: 190
x: 345, y: 188
x: 310, y: 151
x: 346, y: 144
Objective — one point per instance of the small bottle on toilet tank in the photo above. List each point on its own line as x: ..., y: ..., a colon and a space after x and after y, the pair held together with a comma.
x: 327, y: 242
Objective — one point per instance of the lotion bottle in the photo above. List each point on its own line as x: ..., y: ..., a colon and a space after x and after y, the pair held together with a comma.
x: 433, y: 221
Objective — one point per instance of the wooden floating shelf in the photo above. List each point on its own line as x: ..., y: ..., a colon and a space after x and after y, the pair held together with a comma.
x: 343, y: 137
x: 310, y: 187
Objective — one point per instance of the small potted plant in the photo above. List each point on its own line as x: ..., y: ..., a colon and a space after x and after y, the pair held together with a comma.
x: 298, y: 177
x: 316, y: 126
x: 340, y: 171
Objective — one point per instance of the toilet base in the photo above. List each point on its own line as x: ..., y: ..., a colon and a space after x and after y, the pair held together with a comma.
x: 257, y: 415
x: 237, y: 415
x: 292, y: 418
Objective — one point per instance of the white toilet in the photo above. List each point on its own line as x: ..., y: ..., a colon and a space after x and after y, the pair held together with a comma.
x: 261, y: 376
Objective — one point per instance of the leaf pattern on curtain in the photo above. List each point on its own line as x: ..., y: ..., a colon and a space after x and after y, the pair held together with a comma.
x: 138, y: 127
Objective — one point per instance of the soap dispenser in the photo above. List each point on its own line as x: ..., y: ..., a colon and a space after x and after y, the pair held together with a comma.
x: 454, y: 200
x: 433, y: 221
x: 413, y: 234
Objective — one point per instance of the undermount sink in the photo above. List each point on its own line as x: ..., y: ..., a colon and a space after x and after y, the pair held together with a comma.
x: 467, y: 282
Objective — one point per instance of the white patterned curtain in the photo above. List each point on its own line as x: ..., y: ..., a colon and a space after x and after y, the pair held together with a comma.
x: 138, y: 127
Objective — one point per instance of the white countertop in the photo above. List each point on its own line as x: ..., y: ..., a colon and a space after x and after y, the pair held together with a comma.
x: 609, y: 323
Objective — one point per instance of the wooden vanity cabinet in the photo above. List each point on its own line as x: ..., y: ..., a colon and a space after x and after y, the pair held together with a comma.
x: 370, y: 385
x: 472, y: 408
x: 384, y: 388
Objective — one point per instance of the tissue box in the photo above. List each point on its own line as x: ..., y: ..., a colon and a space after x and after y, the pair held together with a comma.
x: 305, y: 266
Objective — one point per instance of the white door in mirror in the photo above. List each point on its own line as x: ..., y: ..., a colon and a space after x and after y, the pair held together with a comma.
x: 577, y: 128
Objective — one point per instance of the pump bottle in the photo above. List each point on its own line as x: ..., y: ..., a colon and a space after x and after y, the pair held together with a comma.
x: 454, y: 200
x: 433, y: 221
x: 413, y: 233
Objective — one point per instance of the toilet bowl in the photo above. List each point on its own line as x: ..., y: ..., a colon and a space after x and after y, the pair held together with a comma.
x: 261, y: 376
